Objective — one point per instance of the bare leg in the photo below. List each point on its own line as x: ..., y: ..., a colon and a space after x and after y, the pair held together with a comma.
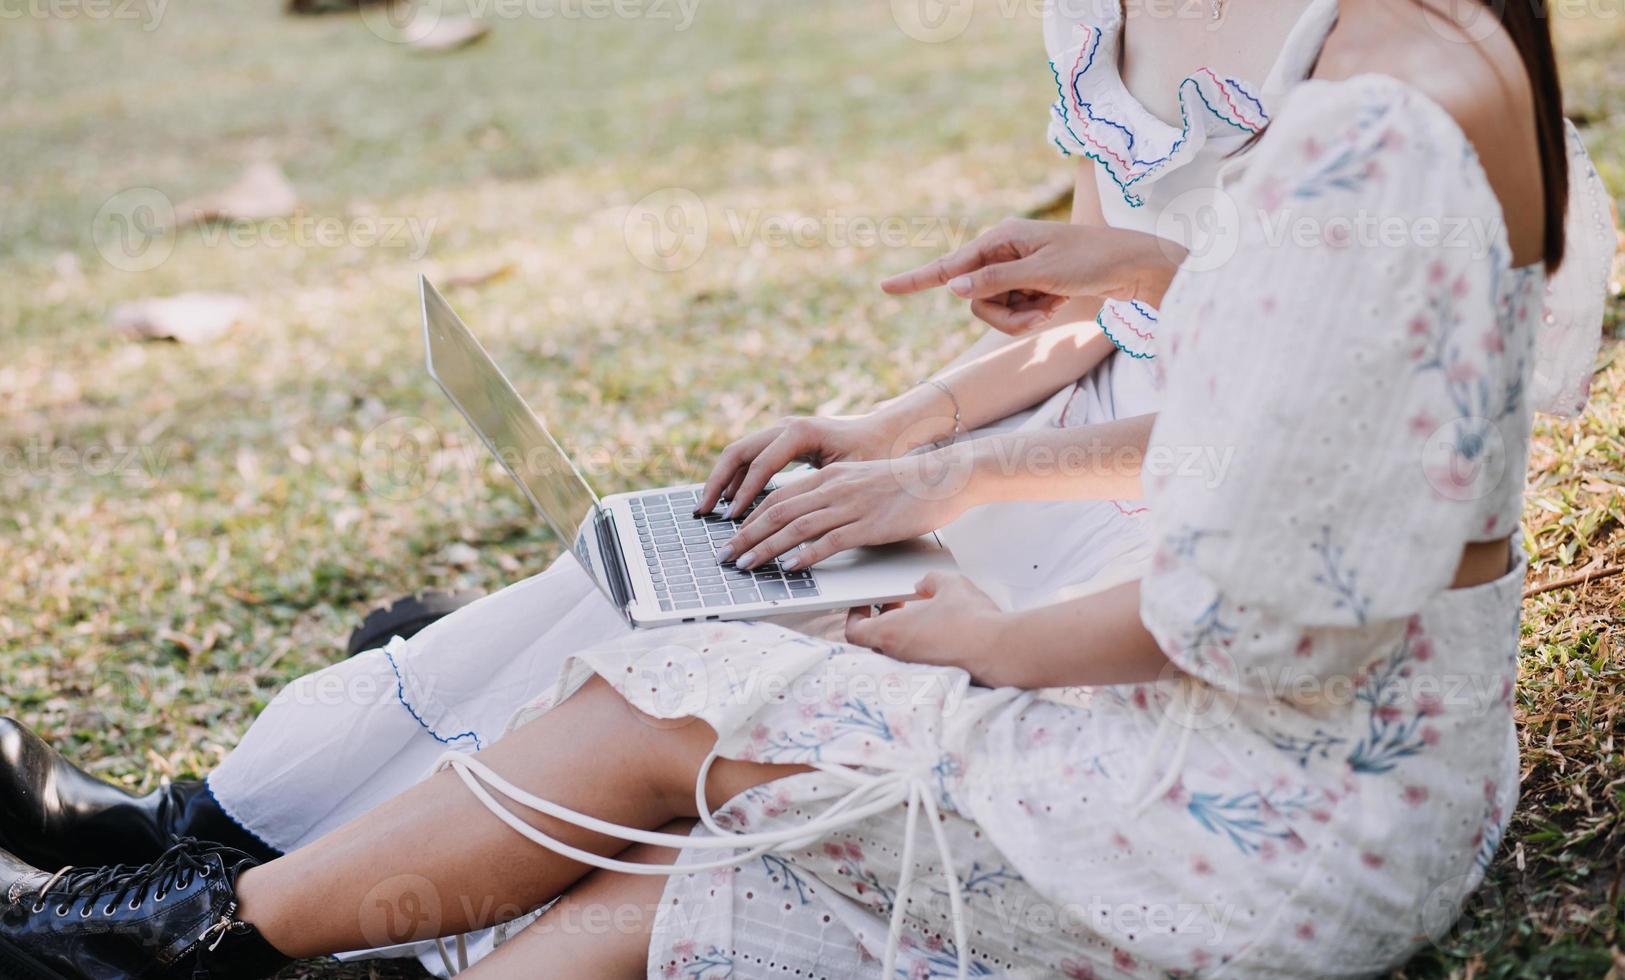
x: 433, y: 862
x: 600, y: 928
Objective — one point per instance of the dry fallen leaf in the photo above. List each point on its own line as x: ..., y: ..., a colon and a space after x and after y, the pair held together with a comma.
x: 473, y: 279
x: 263, y: 191
x: 190, y: 318
x: 448, y: 34
x: 460, y: 554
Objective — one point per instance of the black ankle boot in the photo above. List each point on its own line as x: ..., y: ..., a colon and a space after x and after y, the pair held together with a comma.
x: 52, y: 814
x: 174, y: 918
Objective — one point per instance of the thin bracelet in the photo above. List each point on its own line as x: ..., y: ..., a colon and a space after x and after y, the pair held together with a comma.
x: 958, y: 429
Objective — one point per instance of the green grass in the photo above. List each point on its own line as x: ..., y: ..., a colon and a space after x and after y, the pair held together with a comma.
x: 147, y: 614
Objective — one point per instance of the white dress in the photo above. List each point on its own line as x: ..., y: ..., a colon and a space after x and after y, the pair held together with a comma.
x: 1152, y: 177
x: 338, y: 743
x: 1325, y: 783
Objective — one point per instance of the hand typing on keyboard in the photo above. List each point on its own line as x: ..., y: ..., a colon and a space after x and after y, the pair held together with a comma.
x: 680, y: 549
x: 851, y: 505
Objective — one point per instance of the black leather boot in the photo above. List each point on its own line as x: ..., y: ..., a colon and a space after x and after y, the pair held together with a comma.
x: 173, y: 918
x: 53, y: 814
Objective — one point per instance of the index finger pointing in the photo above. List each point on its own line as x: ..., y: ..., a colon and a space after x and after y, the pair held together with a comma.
x: 964, y: 259
x: 930, y: 275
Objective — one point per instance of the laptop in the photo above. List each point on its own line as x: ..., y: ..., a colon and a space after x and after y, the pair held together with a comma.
x: 650, y: 556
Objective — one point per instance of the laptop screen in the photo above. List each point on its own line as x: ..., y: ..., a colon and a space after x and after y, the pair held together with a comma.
x: 509, y: 428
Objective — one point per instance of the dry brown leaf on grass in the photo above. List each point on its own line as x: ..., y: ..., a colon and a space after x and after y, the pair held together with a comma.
x: 447, y: 34
x: 189, y: 318
x: 470, y: 280
x: 263, y: 191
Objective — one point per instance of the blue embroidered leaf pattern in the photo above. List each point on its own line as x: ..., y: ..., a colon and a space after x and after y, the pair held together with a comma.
x: 1249, y: 819
x: 1302, y: 748
x: 1395, y: 729
x: 714, y: 965
x: 788, y: 877
x: 983, y: 881
x: 1337, y: 578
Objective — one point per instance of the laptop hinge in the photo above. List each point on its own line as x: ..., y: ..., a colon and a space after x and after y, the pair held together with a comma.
x: 609, y: 545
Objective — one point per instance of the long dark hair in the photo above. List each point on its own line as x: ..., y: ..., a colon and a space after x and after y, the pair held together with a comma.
x: 1528, y: 23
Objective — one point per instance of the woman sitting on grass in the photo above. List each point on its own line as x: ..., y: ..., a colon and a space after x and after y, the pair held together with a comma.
x: 313, y: 762
x: 1284, y: 749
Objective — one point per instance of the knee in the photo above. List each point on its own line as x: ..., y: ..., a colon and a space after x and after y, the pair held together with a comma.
x: 665, y: 752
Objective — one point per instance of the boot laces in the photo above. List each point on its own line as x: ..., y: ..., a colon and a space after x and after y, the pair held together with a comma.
x: 185, y: 861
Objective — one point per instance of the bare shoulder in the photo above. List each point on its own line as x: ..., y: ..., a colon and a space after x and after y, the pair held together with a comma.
x: 1457, y: 54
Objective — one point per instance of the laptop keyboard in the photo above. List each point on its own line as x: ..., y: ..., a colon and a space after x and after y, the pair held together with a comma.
x: 680, y: 551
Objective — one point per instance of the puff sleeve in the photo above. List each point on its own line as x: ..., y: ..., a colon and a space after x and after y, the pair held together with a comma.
x: 1346, y: 399
x: 1570, y: 328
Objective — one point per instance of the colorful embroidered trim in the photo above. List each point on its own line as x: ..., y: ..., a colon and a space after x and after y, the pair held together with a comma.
x: 1093, y: 134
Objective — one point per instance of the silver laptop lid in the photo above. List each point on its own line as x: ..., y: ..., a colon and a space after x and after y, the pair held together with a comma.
x: 511, y: 430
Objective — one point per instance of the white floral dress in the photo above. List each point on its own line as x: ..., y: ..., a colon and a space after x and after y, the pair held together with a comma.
x: 336, y: 744
x: 1328, y: 776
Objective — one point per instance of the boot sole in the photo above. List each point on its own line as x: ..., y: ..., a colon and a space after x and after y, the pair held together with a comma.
x: 407, y: 617
x: 18, y: 965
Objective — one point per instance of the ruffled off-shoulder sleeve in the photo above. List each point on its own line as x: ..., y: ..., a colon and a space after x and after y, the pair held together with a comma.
x: 1346, y: 394
x: 1571, y: 326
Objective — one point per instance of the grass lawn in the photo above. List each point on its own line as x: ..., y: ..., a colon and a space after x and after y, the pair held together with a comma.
x: 184, y: 529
